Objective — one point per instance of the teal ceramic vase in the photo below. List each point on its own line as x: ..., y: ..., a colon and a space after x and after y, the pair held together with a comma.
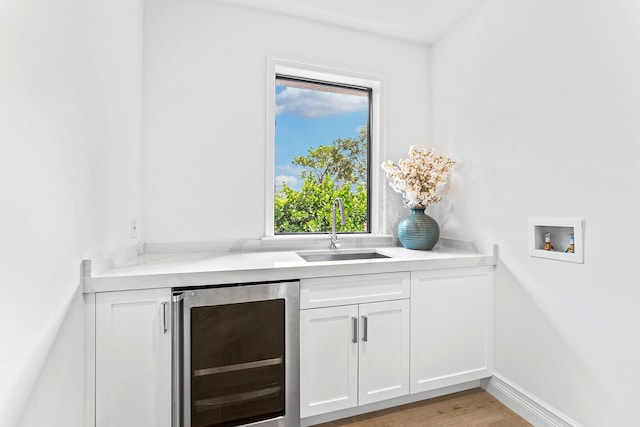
x: 418, y: 230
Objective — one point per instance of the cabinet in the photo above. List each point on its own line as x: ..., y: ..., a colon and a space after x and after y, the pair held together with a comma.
x: 425, y: 330
x: 353, y: 354
x: 451, y: 327
x: 328, y: 360
x: 383, y: 371
x: 133, y: 359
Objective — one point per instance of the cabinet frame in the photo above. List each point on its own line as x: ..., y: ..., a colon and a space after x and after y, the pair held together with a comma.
x: 356, y: 295
x: 357, y: 289
x: 345, y: 361
x: 146, y: 344
x: 475, y: 283
x: 368, y: 371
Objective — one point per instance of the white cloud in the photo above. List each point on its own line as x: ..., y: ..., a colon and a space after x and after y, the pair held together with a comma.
x: 291, y: 181
x: 290, y: 169
x: 313, y: 103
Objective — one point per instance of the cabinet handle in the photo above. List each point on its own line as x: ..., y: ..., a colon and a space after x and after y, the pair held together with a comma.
x: 364, y: 324
x: 163, y: 318
x: 354, y: 338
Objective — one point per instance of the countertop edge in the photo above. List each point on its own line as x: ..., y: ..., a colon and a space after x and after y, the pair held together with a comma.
x: 251, y: 275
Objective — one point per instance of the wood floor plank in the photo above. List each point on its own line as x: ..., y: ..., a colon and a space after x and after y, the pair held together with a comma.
x: 471, y: 408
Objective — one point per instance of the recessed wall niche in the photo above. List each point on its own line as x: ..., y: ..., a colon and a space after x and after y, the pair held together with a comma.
x: 551, y: 238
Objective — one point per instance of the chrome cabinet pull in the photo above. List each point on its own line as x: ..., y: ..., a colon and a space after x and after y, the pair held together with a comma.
x: 354, y: 338
x: 163, y: 318
x: 364, y: 334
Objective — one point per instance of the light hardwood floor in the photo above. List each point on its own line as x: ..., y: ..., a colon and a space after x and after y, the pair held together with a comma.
x: 471, y: 408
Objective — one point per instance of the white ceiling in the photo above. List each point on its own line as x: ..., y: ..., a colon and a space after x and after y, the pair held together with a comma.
x: 421, y: 21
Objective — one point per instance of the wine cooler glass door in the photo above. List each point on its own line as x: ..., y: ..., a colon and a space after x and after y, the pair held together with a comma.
x: 238, y: 358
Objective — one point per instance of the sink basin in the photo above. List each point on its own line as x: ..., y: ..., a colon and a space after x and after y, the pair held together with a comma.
x: 321, y: 256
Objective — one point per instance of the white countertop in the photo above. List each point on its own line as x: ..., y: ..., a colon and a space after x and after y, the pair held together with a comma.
x: 131, y: 269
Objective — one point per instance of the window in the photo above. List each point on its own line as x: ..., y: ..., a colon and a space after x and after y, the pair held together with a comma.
x: 308, y: 108
x: 322, y: 152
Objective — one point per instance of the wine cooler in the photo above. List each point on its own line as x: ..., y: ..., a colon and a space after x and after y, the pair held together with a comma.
x: 236, y: 356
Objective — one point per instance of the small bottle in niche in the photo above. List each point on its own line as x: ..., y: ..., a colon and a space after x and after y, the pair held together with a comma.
x: 571, y: 248
x: 547, y: 242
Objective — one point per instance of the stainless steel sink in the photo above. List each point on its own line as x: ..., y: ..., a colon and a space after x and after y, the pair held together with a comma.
x: 321, y: 256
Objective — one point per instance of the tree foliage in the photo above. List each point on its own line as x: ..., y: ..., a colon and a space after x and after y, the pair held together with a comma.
x: 310, y: 209
x: 330, y: 171
x: 345, y: 161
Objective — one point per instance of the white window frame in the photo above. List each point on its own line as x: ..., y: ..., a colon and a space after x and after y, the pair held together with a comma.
x: 277, y: 66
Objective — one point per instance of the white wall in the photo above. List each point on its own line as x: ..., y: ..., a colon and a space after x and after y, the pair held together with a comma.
x: 204, y: 109
x: 540, y: 102
x: 70, y: 114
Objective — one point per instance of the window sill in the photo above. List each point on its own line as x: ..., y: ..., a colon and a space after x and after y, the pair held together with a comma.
x: 322, y: 241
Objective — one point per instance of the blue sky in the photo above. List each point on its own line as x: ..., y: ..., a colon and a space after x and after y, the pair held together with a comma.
x: 308, y: 118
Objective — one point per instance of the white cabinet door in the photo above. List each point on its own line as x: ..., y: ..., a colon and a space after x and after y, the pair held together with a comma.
x: 384, y: 351
x: 328, y: 359
x: 133, y: 359
x: 451, y: 327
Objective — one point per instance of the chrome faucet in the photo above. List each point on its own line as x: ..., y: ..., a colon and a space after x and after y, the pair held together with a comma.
x: 335, y: 243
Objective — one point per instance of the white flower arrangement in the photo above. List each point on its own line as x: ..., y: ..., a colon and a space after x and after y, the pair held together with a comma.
x: 419, y: 177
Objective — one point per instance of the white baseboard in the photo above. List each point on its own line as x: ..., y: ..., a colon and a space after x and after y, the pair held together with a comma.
x: 525, y: 404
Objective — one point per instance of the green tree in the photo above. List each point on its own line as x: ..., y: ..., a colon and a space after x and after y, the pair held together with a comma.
x: 345, y: 161
x: 330, y: 171
x: 309, y: 210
